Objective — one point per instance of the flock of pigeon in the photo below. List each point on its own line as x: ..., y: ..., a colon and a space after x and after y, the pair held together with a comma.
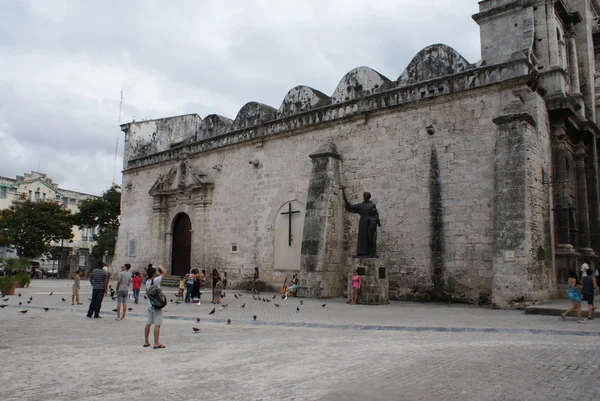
x: 238, y: 296
x: 195, y: 329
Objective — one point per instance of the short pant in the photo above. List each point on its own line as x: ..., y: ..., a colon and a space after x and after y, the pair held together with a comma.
x: 122, y: 297
x: 155, y: 316
x: 589, y: 298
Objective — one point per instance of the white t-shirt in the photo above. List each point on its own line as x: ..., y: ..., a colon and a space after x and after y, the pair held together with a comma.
x: 584, y: 267
x: 157, y: 281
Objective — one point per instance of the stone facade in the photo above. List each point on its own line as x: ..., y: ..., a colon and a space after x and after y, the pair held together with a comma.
x: 485, y: 175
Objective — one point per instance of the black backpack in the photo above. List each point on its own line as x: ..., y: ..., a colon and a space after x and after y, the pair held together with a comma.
x: 156, y: 296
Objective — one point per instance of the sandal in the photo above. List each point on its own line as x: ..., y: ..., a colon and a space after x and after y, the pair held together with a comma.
x: 159, y: 346
x: 146, y: 345
x: 580, y: 321
x: 562, y: 316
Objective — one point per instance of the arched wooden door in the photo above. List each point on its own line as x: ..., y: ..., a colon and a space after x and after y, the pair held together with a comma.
x: 182, y: 245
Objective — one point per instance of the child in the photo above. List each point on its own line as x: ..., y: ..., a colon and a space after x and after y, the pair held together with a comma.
x: 181, y: 288
x: 136, y: 284
x: 76, y: 287
x: 218, y: 289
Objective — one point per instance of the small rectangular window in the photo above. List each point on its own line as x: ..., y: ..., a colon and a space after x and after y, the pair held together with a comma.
x: 234, y: 248
x: 132, y: 246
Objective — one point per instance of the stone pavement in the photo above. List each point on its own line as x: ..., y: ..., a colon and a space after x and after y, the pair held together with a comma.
x: 401, y: 351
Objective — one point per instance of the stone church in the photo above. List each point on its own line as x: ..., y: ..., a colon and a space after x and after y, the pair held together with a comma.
x: 485, y: 174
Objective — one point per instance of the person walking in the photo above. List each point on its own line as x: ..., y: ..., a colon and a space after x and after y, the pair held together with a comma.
x: 356, y: 283
x: 588, y: 286
x: 574, y: 297
x: 99, y: 281
x: 189, y: 286
x: 135, y: 286
x: 215, y: 279
x: 123, y: 282
x: 155, y: 316
x: 76, y: 288
x: 255, y: 281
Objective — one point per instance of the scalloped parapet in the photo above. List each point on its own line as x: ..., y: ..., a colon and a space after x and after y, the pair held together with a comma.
x: 302, y: 98
x: 213, y: 125
x: 433, y: 62
x: 253, y: 113
x: 360, y: 82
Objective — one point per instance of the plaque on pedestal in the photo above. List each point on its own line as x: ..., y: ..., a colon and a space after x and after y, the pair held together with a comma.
x: 375, y: 285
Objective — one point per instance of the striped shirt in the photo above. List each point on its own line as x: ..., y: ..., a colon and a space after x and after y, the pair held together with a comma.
x: 98, y: 277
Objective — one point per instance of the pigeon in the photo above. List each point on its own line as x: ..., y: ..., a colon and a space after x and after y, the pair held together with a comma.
x: 235, y: 295
x: 301, y: 302
x: 171, y: 301
x: 195, y: 329
x: 264, y: 300
x: 254, y: 317
x: 145, y: 297
x: 51, y: 293
x: 5, y: 299
x: 253, y: 297
x: 114, y: 310
x: 224, y: 305
x: 284, y: 297
x: 228, y: 321
x: 297, y: 309
x: 63, y: 299
x: 274, y: 295
x: 212, y: 312
x: 31, y: 298
x: 129, y: 309
x: 23, y: 311
x: 28, y: 302
x: 46, y: 309
x: 259, y: 298
x: 268, y: 300
x: 240, y: 295
x: 276, y: 305
x: 324, y: 305
x: 113, y: 298
x: 19, y: 295
x: 2, y: 306
x: 243, y: 306
x: 223, y: 295
x: 197, y: 320
x: 177, y: 302
x: 20, y: 303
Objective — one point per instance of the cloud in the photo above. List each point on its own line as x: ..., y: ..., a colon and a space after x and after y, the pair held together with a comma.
x: 66, y: 61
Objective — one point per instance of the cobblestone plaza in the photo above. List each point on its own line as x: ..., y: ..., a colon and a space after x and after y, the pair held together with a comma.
x: 402, y: 351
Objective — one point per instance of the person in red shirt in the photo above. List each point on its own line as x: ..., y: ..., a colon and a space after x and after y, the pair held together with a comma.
x: 136, y: 284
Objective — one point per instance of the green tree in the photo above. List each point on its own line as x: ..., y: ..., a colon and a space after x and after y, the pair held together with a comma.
x: 30, y: 227
x: 102, y: 214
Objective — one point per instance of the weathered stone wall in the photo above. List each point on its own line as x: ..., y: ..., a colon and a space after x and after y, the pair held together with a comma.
x: 386, y: 153
x: 147, y: 137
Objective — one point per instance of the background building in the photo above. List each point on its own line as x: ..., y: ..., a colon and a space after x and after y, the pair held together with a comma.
x: 36, y: 186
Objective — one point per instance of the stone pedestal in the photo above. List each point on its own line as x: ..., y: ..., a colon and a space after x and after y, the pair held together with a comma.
x: 375, y: 282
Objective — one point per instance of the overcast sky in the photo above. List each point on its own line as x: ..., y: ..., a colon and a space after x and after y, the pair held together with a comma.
x: 63, y: 64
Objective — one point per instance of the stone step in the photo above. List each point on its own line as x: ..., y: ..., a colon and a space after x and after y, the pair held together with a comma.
x: 170, y: 281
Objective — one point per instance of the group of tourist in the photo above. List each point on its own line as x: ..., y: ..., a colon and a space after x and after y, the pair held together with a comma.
x: 582, y: 287
x: 192, y: 282
x: 99, y: 280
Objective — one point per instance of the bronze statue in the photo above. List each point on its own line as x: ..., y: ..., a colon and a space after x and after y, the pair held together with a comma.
x: 366, y: 243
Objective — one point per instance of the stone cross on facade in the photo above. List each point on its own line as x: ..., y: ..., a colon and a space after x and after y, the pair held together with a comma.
x: 289, y: 213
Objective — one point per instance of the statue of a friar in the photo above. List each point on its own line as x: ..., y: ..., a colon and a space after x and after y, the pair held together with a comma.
x: 366, y: 243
